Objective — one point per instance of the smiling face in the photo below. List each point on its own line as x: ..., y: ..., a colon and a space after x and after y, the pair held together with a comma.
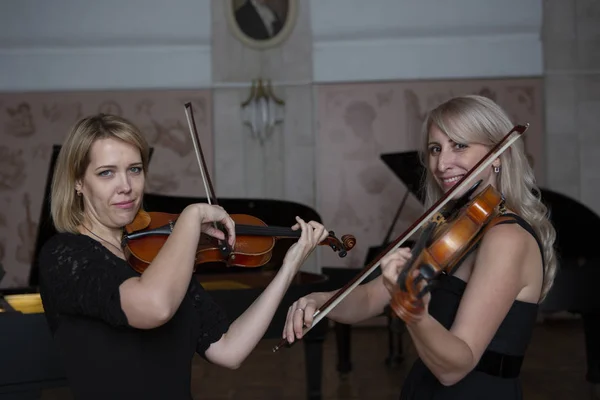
x: 112, y: 186
x: 449, y: 161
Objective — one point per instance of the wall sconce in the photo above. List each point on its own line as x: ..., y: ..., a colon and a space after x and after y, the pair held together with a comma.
x: 262, y: 110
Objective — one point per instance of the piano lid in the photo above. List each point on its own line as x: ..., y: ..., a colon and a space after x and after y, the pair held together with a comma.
x: 407, y: 166
x: 571, y: 219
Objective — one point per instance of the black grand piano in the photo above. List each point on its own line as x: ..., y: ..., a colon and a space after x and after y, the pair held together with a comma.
x: 30, y: 362
x: 574, y: 285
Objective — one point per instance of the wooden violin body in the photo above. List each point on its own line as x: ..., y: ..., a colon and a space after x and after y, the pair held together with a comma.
x: 254, y: 245
x: 440, y: 247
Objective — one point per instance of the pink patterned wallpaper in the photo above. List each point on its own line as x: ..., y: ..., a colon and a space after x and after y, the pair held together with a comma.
x: 357, y: 193
x: 31, y: 123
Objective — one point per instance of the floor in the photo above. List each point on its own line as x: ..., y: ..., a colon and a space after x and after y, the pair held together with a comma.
x: 554, y: 369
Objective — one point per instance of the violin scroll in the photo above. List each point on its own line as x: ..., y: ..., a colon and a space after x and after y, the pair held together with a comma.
x: 342, y: 246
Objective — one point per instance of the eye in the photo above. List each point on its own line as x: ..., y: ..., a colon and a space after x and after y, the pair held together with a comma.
x: 106, y: 172
x: 434, y: 149
x: 136, y: 170
x: 460, y: 146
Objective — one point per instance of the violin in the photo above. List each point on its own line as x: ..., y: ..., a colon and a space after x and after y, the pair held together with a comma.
x: 254, y: 243
x: 441, y: 243
x: 255, y: 240
x: 441, y: 246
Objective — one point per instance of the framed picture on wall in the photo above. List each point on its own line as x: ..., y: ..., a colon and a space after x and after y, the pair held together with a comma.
x: 261, y: 24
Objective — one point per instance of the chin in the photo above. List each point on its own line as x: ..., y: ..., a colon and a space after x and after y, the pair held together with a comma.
x: 125, y: 218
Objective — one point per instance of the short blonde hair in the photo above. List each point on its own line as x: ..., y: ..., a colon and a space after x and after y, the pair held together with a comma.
x: 73, y: 159
x: 477, y: 119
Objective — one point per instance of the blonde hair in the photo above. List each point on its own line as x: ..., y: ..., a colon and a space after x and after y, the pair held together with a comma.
x: 73, y: 159
x: 477, y: 119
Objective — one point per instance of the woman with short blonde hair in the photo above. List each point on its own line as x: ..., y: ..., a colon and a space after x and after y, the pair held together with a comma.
x: 73, y: 159
x: 125, y: 334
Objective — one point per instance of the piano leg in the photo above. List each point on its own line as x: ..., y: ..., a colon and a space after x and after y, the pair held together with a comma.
x: 396, y: 329
x: 313, y: 355
x: 591, y: 330
x: 343, y: 342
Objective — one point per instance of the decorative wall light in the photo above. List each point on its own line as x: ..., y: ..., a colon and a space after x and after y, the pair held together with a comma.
x: 262, y: 110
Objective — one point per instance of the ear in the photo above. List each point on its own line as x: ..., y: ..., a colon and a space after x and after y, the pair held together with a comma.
x: 78, y: 186
x: 496, y: 162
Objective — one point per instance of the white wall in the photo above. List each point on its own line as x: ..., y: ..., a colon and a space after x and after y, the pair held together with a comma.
x: 107, y: 44
x: 425, y: 39
x: 139, y: 44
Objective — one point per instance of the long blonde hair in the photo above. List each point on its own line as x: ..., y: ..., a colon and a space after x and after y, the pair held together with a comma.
x: 477, y: 119
x: 66, y: 206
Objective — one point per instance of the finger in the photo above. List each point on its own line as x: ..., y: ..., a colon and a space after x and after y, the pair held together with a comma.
x: 230, y: 226
x: 390, y: 273
x: 309, y: 312
x: 288, y: 322
x: 305, y: 228
x: 295, y: 227
x: 290, y: 325
x: 396, y: 255
x: 319, y: 231
x: 388, y: 258
x: 298, y: 316
x: 405, y: 250
x: 212, y: 231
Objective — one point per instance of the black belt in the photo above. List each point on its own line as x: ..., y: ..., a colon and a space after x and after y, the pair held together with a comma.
x: 501, y: 365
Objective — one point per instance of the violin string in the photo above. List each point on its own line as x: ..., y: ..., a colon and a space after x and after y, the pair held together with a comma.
x: 102, y: 239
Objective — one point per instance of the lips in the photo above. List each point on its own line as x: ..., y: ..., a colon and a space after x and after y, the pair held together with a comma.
x: 451, y: 180
x: 125, y: 204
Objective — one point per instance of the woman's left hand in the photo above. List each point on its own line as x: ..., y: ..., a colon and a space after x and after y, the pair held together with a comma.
x: 391, y: 266
x: 313, y: 233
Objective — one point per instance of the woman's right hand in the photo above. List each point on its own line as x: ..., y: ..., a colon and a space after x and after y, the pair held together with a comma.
x: 300, y: 314
x: 208, y: 214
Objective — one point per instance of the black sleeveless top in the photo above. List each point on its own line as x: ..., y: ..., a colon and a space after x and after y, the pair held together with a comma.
x: 510, y: 343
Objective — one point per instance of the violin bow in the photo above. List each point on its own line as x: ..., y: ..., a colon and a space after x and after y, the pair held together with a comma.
x: 208, y: 186
x: 515, y: 133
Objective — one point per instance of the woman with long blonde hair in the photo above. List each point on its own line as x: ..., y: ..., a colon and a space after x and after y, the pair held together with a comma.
x: 477, y: 323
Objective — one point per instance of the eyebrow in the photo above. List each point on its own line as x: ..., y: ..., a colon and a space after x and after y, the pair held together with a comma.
x: 135, y: 164
x: 436, y: 142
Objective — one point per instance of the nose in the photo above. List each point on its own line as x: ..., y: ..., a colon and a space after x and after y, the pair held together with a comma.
x: 124, y: 184
x: 444, y: 160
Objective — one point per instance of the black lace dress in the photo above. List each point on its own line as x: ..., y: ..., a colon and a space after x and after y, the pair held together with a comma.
x: 105, y: 358
x: 496, y: 377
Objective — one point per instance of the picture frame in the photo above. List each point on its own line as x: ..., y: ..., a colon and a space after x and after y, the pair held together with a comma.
x: 261, y: 24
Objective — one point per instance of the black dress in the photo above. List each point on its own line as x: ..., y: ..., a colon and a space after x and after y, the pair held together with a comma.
x: 496, y: 375
x: 104, y: 357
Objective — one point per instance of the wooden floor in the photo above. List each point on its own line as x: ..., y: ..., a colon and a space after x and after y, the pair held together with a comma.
x: 554, y: 369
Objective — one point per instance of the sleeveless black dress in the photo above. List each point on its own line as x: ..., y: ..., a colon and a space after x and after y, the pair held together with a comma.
x: 496, y: 375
